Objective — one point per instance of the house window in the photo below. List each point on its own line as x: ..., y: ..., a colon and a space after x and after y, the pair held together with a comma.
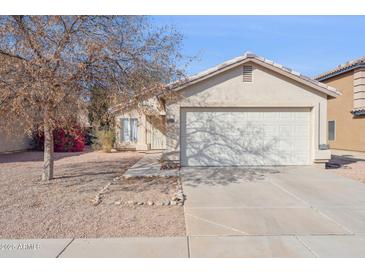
x: 129, y: 128
x: 331, y: 130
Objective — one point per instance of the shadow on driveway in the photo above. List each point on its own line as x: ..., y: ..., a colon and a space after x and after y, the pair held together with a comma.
x: 342, y: 161
x: 195, y: 176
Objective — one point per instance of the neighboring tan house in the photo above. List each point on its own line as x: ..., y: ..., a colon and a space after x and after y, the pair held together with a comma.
x: 16, y: 139
x: 246, y: 111
x: 346, y: 113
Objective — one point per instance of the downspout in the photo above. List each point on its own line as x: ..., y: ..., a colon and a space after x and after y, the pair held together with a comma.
x: 323, y: 146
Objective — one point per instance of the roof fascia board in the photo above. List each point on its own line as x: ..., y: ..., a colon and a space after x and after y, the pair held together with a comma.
x: 272, y: 67
x: 213, y: 73
x: 296, y: 78
x: 330, y: 75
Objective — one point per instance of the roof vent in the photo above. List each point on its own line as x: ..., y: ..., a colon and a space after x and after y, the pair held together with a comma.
x: 247, y: 74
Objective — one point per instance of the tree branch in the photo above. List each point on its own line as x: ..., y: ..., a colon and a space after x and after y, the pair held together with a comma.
x: 23, y: 28
x: 12, y: 55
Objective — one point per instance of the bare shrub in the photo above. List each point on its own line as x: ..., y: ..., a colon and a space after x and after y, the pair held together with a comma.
x: 104, y: 140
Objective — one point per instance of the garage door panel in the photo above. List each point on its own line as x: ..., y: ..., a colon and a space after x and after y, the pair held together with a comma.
x: 226, y: 138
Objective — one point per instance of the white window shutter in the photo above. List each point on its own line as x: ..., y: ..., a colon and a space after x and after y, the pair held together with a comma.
x: 134, y: 129
x: 125, y: 130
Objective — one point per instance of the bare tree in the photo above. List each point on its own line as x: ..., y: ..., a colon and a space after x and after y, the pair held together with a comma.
x: 49, y: 64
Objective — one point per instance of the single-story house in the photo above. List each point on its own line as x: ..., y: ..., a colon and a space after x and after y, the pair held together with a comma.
x: 346, y: 113
x: 247, y: 111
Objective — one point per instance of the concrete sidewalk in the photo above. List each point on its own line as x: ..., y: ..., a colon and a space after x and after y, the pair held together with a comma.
x: 157, y: 247
x: 189, y: 247
x: 149, y: 166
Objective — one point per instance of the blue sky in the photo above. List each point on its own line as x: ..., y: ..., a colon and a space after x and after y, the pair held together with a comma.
x: 308, y: 44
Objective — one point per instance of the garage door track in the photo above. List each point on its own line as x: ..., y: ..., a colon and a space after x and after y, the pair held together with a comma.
x: 273, y: 212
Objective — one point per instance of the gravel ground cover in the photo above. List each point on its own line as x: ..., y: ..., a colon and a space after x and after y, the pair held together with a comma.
x: 65, y: 207
x: 349, y: 167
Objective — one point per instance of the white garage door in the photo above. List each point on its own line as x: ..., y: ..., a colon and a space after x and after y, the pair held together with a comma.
x: 242, y: 136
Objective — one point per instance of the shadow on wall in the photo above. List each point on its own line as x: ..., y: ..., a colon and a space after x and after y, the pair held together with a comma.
x: 158, y: 122
x: 224, y: 139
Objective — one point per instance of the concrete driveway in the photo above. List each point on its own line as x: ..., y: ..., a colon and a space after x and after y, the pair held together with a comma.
x: 273, y: 212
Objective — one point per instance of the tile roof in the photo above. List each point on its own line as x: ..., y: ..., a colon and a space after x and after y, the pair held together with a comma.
x: 252, y: 56
x: 350, y: 65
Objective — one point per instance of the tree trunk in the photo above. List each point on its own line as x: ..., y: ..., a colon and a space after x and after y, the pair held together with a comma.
x: 48, y: 153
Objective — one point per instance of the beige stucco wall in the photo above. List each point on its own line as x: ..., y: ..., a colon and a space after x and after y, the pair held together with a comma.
x: 141, y: 133
x: 268, y: 89
x: 17, y: 140
x: 350, y: 130
x: 144, y: 132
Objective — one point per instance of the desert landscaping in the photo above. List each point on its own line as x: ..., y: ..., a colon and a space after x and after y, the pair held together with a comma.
x: 353, y: 168
x: 67, y: 206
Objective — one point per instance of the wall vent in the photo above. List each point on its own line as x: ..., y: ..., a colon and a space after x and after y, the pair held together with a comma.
x: 247, y: 74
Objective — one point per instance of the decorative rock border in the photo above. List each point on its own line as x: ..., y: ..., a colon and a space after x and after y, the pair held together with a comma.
x: 98, y: 197
x: 177, y: 199
x: 149, y: 203
x: 167, y: 165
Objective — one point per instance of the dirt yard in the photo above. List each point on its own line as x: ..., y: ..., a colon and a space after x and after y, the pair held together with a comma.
x: 64, y: 208
x: 349, y: 167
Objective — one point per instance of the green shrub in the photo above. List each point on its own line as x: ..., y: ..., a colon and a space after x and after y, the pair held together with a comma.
x: 104, y: 140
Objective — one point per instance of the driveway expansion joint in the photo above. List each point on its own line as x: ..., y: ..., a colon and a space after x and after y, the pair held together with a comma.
x: 217, y: 224
x: 63, y: 250
x: 188, y: 246
x: 290, y: 193
x: 306, y: 246
x: 334, y: 221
